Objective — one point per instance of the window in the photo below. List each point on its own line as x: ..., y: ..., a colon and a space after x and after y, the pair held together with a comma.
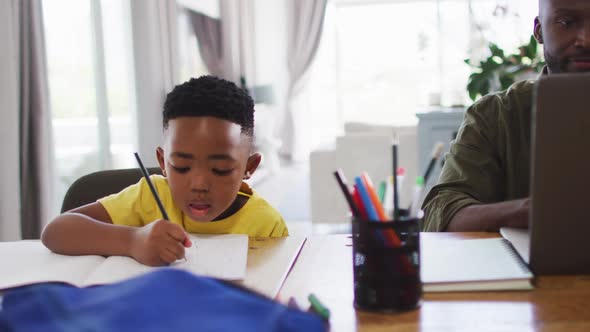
x: 382, y: 61
x: 91, y: 85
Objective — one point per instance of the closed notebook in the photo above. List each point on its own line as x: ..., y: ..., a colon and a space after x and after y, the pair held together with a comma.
x: 472, y: 265
x: 520, y: 239
x: 30, y: 262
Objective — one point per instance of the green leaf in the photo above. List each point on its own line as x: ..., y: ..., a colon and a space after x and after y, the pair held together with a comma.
x: 478, y: 85
x: 533, y: 48
x: 484, y: 88
x: 506, y: 81
x: 504, y: 66
x: 489, y: 65
x: 472, y: 95
x: 496, y: 51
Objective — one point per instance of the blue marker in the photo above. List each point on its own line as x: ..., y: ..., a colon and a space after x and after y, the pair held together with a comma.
x: 364, y: 193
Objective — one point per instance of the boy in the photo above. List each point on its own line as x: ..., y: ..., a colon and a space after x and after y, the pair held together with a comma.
x: 208, y: 131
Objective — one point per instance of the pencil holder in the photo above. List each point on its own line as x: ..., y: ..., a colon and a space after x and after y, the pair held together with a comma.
x: 386, y: 264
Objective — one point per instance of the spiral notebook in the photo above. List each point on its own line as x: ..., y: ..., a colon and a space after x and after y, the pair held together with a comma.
x: 472, y: 265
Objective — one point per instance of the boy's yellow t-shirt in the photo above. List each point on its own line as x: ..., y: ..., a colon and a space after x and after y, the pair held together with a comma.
x: 136, y: 206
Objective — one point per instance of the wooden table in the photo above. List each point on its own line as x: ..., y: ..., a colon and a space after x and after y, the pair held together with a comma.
x: 324, y: 267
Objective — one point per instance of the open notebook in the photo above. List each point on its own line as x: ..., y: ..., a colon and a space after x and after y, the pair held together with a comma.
x: 472, y: 265
x: 269, y: 262
x: 29, y: 262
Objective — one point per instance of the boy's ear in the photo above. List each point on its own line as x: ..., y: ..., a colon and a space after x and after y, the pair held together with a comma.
x: 160, y: 156
x: 252, y: 164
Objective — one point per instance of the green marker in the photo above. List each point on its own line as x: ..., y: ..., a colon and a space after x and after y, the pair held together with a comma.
x: 381, y: 191
x: 318, y: 307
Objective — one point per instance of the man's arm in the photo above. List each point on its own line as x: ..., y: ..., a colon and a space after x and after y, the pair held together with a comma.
x: 490, y: 217
x: 470, y: 195
x: 87, y: 230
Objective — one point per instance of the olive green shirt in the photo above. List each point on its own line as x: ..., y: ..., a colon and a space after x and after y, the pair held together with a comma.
x: 489, y: 160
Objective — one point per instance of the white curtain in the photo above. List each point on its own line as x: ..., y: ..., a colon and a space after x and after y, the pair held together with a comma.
x: 304, y: 28
x: 156, y: 61
x: 9, y: 173
x: 155, y: 49
x: 36, y: 164
x: 230, y: 13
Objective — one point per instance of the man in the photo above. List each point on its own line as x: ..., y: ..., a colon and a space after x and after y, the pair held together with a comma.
x: 484, y: 184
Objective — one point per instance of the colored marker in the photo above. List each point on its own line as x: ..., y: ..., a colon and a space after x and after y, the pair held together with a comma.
x: 366, y: 199
x: 318, y: 307
x: 381, y: 192
x: 373, y: 196
x: 341, y: 179
x: 356, y: 197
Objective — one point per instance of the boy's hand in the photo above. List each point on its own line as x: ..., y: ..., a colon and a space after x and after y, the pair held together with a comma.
x: 159, y: 243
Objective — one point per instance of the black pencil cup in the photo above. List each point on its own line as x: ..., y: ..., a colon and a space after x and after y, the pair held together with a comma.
x: 386, y: 262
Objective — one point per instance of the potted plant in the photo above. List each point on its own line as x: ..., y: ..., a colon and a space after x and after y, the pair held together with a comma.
x: 499, y: 70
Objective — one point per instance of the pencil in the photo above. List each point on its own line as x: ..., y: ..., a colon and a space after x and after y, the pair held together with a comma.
x: 146, y: 175
x: 395, y: 196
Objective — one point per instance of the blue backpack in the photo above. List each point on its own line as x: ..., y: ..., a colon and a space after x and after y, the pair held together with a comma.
x: 164, y: 300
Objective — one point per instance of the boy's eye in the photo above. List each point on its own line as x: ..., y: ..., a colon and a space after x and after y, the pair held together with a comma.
x: 222, y: 172
x: 181, y: 169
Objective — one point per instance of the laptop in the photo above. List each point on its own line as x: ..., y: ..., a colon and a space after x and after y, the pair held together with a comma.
x: 559, y: 224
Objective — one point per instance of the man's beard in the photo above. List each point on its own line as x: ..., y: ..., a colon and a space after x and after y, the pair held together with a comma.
x: 554, y: 64
x: 564, y: 65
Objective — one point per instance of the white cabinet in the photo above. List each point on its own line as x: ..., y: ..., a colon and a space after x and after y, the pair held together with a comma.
x: 437, y: 125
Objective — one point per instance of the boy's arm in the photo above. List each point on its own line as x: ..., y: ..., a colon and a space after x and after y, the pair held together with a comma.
x: 87, y: 230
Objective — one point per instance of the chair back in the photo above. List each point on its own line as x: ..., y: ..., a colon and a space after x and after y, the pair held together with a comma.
x: 93, y: 186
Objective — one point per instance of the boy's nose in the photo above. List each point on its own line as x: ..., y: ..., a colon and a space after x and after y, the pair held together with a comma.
x: 199, y: 183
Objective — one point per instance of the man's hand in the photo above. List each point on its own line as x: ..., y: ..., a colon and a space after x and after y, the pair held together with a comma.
x: 159, y: 243
x: 520, y: 218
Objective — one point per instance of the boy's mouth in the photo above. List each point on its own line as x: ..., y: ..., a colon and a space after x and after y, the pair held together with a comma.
x: 199, y: 209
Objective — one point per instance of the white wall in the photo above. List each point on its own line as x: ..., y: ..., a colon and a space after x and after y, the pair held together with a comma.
x: 9, y: 85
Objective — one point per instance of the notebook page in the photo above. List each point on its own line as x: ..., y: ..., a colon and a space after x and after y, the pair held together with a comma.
x: 217, y: 256
x: 269, y: 262
x: 455, y: 261
x: 29, y: 262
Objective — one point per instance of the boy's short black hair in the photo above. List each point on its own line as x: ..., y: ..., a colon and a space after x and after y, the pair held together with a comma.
x: 210, y: 96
